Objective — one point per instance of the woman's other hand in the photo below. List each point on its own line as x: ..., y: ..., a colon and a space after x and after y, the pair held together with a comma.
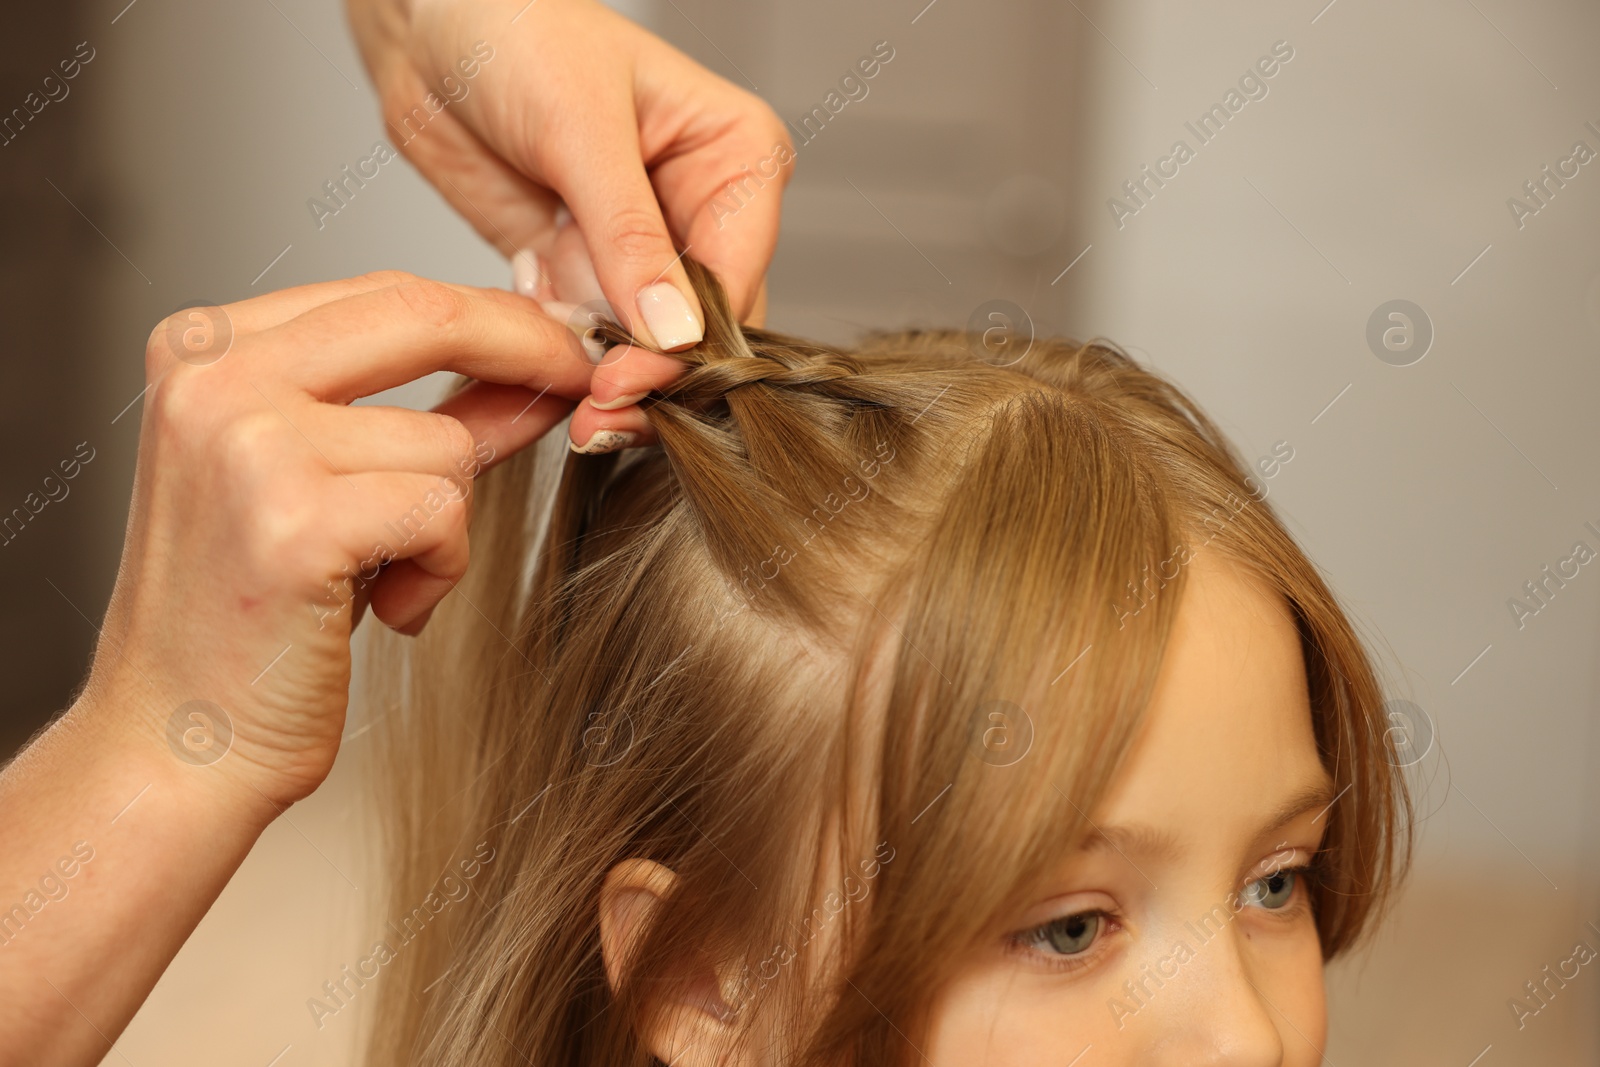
x: 268, y: 512
x: 576, y: 104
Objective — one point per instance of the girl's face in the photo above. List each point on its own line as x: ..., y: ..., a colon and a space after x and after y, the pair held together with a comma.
x: 1181, y: 933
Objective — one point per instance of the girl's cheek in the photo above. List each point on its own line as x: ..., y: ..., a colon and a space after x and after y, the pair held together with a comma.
x: 1304, y: 1002
x: 999, y: 1018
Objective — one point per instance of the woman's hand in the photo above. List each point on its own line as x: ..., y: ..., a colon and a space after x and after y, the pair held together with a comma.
x: 577, y: 104
x: 267, y: 512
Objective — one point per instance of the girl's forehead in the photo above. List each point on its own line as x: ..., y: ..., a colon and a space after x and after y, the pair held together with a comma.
x: 1227, y: 743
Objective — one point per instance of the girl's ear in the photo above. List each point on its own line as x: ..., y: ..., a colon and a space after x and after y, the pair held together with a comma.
x: 628, y: 897
x: 695, y: 1028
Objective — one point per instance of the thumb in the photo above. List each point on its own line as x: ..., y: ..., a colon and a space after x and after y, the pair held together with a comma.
x: 640, y: 270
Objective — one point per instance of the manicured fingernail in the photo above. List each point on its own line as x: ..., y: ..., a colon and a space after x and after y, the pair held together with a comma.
x: 605, y: 441
x: 525, y: 272
x: 667, y: 314
x: 620, y: 402
x: 561, y: 311
x: 582, y: 319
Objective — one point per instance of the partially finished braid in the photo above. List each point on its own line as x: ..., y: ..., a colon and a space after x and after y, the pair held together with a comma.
x: 733, y: 357
x: 776, y: 364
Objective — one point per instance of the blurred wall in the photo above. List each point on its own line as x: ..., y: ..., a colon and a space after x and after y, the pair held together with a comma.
x: 1376, y: 166
x: 54, y: 567
x: 987, y: 163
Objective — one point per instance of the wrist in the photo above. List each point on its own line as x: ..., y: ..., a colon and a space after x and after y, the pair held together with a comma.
x: 125, y: 738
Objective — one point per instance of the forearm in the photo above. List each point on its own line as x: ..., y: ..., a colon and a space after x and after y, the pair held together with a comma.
x: 111, y: 850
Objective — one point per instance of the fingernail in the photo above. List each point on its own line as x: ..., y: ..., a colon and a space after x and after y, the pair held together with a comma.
x: 667, y: 314
x: 620, y: 402
x: 525, y: 272
x: 563, y: 216
x: 581, y: 319
x: 605, y: 441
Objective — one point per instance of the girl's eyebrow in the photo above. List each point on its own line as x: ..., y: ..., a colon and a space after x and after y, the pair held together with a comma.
x: 1153, y: 842
x: 1318, y: 797
x: 1138, y: 838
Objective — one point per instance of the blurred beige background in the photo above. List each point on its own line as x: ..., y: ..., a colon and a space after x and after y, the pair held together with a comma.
x: 981, y: 166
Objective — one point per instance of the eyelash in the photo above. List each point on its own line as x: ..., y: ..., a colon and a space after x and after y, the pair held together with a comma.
x: 1306, y: 877
x: 1023, y: 941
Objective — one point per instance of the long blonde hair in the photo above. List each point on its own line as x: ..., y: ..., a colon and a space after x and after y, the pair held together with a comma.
x: 811, y: 653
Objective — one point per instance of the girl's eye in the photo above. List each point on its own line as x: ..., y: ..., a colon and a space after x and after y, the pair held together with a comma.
x: 1069, y: 935
x: 1272, y: 892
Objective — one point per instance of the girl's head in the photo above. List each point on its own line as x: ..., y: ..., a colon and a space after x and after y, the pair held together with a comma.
x: 896, y: 708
